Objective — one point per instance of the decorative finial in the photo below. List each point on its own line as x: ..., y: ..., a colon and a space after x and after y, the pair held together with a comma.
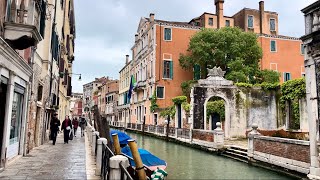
x: 216, y: 72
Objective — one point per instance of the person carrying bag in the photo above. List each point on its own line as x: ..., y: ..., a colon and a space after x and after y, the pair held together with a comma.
x: 66, y: 127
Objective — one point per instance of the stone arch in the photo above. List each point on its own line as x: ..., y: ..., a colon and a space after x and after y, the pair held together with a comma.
x: 226, y: 106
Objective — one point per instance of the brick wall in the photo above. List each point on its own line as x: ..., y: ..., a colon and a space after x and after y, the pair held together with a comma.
x: 286, y: 148
x: 203, y: 135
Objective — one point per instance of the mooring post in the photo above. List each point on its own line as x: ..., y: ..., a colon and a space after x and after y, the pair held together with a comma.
x: 137, y: 159
x: 218, y: 135
x: 116, y: 144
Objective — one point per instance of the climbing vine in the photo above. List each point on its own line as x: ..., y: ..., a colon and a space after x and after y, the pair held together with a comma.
x: 169, y: 111
x: 186, y: 87
x: 179, y: 100
x: 291, y: 92
x: 154, y: 104
x: 216, y: 107
x: 186, y: 106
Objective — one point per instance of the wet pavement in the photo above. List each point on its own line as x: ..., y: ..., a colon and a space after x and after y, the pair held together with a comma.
x: 60, y: 161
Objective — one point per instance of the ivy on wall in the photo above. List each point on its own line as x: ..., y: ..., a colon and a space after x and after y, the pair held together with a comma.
x: 154, y: 104
x: 186, y: 87
x: 216, y: 107
x: 169, y: 111
x: 179, y: 100
x: 291, y: 92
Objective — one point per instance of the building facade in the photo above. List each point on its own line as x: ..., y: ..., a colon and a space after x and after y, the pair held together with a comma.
x: 155, y: 66
x: 123, y: 107
x: 312, y: 63
x: 158, y: 44
x: 20, y: 32
x: 76, y: 105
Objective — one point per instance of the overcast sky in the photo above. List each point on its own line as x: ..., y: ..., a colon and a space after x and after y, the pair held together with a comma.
x: 105, y: 28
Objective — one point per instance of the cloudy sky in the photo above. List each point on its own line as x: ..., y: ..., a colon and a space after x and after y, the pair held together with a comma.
x: 105, y: 28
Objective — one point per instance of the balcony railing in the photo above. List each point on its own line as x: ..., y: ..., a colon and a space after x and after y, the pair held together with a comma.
x: 23, y: 23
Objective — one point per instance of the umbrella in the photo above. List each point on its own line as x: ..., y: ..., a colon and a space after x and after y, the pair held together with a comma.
x: 148, y: 159
x: 123, y: 137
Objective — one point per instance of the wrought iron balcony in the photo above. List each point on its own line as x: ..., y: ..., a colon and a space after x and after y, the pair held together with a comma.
x: 24, y: 23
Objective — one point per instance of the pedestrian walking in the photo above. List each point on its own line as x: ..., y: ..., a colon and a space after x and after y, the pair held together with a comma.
x: 83, y: 124
x: 54, y: 128
x: 66, y: 127
x: 75, y: 124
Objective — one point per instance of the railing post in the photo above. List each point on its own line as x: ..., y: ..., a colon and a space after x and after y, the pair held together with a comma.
x: 176, y: 133
x: 94, y: 142
x: 165, y: 131
x: 148, y: 128
x: 218, y: 135
x: 91, y: 135
x: 99, y: 155
x: 115, y: 169
x: 251, y: 136
x: 156, y: 129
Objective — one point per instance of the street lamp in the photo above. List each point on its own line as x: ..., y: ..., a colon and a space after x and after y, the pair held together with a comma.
x: 63, y: 73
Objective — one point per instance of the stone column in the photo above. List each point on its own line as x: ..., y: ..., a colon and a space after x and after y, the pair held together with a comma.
x: 94, y: 142
x: 99, y: 155
x: 176, y: 133
x: 251, y: 136
x: 115, y: 170
x: 7, y: 118
x: 218, y: 136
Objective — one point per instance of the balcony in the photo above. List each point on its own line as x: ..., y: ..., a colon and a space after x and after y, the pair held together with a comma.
x: 140, y: 85
x: 23, y: 23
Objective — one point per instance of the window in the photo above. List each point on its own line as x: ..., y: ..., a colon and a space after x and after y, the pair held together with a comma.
x: 16, y: 118
x: 167, y: 69
x: 210, y: 22
x: 286, y: 76
x: 196, y: 72
x: 40, y: 90
x: 272, y: 24
x: 227, y: 23
x: 197, y: 24
x: 273, y: 46
x: 167, y: 34
x: 160, y: 92
x: 155, y: 119
x: 250, y: 21
x: 302, y: 48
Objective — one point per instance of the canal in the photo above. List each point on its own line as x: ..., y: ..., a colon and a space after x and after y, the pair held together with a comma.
x: 188, y: 163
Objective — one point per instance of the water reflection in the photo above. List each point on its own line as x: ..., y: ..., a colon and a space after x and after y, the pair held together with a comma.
x: 188, y: 163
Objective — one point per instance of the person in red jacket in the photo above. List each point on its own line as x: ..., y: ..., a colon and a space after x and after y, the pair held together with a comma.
x: 66, y: 127
x: 75, y: 124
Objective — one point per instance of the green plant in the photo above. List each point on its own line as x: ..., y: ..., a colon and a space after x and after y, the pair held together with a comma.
x: 169, y: 111
x: 186, y: 106
x: 292, y: 91
x: 186, y: 87
x: 179, y: 100
x: 269, y: 86
x: 247, y: 85
x: 216, y: 107
x: 268, y: 76
x: 154, y: 104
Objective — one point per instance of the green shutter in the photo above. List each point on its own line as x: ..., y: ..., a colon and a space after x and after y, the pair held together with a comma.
x: 196, y: 72
x: 171, y: 69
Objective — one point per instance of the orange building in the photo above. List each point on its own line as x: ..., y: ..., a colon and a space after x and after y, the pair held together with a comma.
x: 158, y: 45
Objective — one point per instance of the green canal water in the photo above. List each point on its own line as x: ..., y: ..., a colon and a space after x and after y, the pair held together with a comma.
x: 188, y: 163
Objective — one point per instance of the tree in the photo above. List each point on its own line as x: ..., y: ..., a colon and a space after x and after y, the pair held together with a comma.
x: 233, y: 50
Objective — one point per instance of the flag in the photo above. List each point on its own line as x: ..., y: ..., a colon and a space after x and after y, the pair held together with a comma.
x: 132, y: 84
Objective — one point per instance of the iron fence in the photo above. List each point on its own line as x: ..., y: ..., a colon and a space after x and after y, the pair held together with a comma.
x: 138, y: 126
x: 172, y: 131
x: 134, y: 126
x: 151, y: 128
x: 161, y: 129
x: 125, y: 175
x: 130, y: 125
x: 184, y: 133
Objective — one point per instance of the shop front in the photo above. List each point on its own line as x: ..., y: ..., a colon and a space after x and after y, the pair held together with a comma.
x: 14, y: 77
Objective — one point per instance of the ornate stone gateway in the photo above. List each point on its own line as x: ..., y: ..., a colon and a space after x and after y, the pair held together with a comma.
x: 214, y: 86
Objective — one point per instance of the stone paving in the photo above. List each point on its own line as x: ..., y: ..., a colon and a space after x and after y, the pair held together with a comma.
x: 60, y: 161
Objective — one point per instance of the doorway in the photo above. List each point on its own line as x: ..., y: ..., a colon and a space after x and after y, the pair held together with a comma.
x: 3, y: 94
x: 179, y: 116
x: 215, y: 117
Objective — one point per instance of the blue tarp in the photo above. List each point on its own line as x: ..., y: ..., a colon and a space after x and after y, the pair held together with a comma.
x: 123, y: 137
x: 147, y: 158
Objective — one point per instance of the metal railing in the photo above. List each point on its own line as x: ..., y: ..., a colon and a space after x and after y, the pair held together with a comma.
x: 151, y: 128
x: 183, y: 133
x: 161, y: 129
x: 172, y: 131
x: 105, y: 161
x: 125, y: 175
x: 139, y: 126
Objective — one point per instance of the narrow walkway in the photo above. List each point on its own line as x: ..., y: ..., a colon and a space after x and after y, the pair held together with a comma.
x: 62, y: 161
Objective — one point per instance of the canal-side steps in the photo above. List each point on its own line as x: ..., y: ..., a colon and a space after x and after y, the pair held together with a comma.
x: 236, y: 152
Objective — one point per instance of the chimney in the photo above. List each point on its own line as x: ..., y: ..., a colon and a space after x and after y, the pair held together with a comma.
x: 219, y: 12
x: 127, y: 59
x: 136, y: 37
x: 261, y: 9
x: 151, y: 17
